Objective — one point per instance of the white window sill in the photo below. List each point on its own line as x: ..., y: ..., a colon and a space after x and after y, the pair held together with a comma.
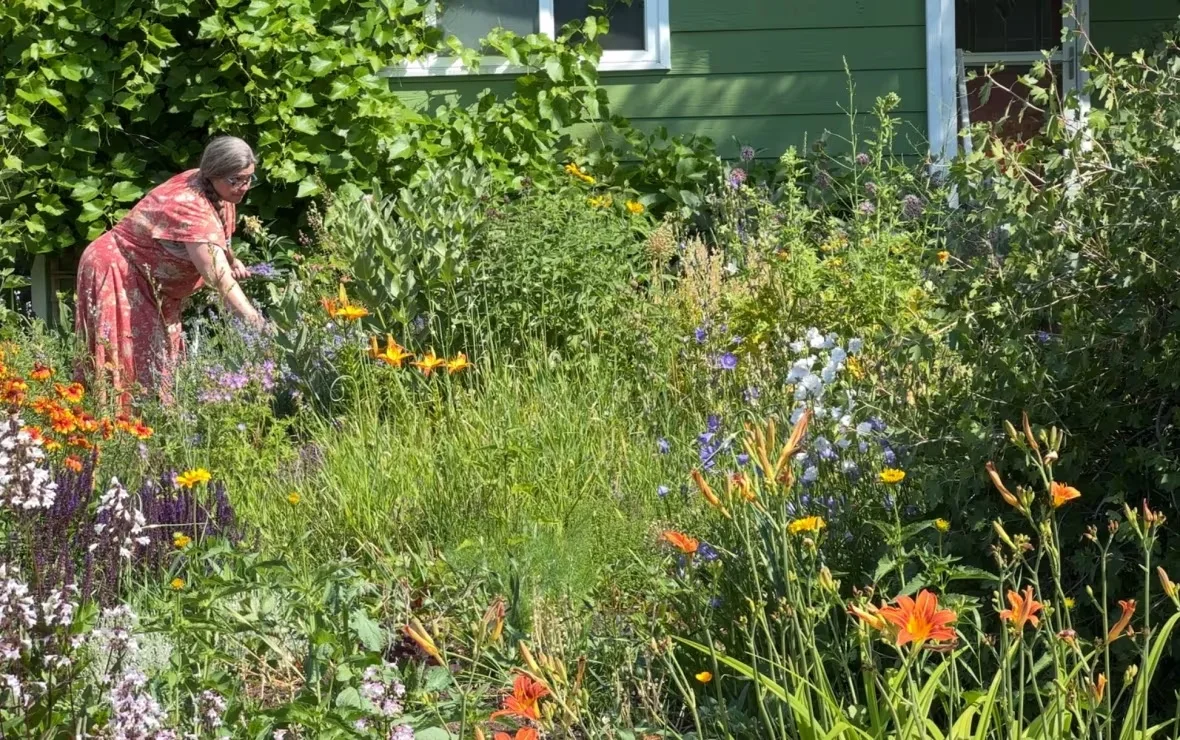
x: 496, y: 66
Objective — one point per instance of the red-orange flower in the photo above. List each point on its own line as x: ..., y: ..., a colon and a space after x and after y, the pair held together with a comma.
x: 139, y: 430
x: 1024, y: 609
x: 34, y: 433
x: 73, y: 393
x: 41, y: 372
x: 1063, y: 494
x: 682, y: 542
x: 921, y: 620
x: 524, y: 733
x: 86, y: 422
x: 79, y: 441
x: 63, y: 422
x: 73, y: 464
x: 14, y: 391
x: 44, y: 405
x: 107, y: 428
x: 524, y: 702
x: 1124, y: 620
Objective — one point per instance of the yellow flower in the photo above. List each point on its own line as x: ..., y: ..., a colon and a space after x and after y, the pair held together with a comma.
x: 180, y: 540
x: 575, y: 171
x: 807, y: 524
x: 294, y: 498
x: 892, y: 475
x: 1070, y: 603
x: 340, y: 308
x: 634, y: 206
x: 190, y: 478
x: 855, y: 368
x: 430, y: 363
x: 394, y: 354
x: 942, y: 525
x: 600, y: 201
x: 458, y: 363
x: 177, y: 584
x: 704, y: 677
x: 943, y: 256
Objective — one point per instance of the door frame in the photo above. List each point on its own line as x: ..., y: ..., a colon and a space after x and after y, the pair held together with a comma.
x: 942, y: 79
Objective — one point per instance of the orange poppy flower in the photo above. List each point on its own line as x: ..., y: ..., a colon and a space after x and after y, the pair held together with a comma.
x: 1124, y: 620
x: 458, y: 363
x: 73, y: 393
x: 524, y: 733
x: 429, y: 363
x: 1063, y: 494
x: 393, y: 355
x: 921, y: 620
x: 1024, y: 609
x: 41, y: 372
x: 682, y: 542
x: 524, y: 702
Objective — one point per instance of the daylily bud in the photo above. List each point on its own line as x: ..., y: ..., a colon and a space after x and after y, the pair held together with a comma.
x: 1028, y: 435
x: 1051, y: 457
x: 1130, y: 674
x: 999, y: 484
x: 1003, y: 535
x: 527, y: 656
x: 1011, y: 432
x: 1169, y: 587
x: 479, y: 734
x: 826, y: 582
x: 1098, y: 690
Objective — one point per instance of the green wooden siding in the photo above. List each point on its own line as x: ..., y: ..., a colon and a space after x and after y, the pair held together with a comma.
x: 772, y: 74
x: 1126, y: 25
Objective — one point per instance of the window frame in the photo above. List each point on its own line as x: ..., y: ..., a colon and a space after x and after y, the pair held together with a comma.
x: 656, y: 56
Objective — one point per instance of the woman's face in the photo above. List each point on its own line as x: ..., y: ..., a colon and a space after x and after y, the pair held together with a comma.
x: 234, y: 187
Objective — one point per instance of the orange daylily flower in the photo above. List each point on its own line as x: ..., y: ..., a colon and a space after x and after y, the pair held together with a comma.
x: 1116, y: 631
x: 523, y: 704
x: 999, y: 484
x: 524, y: 733
x: 682, y: 542
x: 1063, y: 494
x: 41, y: 372
x: 458, y: 363
x: 73, y: 464
x: 1098, y: 690
x: 73, y: 392
x: 429, y: 363
x: 1024, y: 609
x: 921, y: 620
x: 340, y: 308
x: 394, y: 353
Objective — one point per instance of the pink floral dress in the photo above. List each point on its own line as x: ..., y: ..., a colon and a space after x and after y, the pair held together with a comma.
x: 132, y: 289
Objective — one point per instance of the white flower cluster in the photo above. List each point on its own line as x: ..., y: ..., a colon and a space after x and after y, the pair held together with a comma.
x: 384, y: 694
x: 25, y: 482
x: 135, y: 713
x: 121, y: 520
x: 211, y: 709
x: 22, y: 623
x: 812, y: 385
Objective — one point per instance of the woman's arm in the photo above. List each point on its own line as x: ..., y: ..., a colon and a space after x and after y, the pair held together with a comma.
x: 211, y: 262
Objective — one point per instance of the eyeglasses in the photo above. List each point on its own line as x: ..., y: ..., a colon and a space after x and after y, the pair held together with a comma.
x: 237, y: 181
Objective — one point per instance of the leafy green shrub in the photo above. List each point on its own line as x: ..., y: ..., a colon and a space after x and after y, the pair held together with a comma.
x: 86, y: 83
x: 549, y: 266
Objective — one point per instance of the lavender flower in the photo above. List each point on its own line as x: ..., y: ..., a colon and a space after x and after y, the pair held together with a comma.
x: 264, y: 270
x: 701, y: 334
x: 135, y: 714
x: 24, y: 480
x: 707, y: 552
x: 211, y: 709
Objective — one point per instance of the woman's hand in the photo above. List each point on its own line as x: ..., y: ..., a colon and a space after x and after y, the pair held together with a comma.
x: 238, y: 270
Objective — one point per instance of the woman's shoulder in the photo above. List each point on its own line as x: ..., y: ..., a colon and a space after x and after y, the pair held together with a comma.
x: 182, y: 188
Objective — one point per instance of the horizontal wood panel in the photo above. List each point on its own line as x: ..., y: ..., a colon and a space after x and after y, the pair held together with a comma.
x: 1126, y: 37
x: 728, y: 15
x: 764, y: 94
x: 1133, y: 10
x: 774, y: 134
x: 813, y: 50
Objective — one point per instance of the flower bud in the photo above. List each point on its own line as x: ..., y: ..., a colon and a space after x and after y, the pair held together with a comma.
x: 1011, y: 432
x: 1003, y: 535
x: 1130, y: 674
x: 1028, y: 435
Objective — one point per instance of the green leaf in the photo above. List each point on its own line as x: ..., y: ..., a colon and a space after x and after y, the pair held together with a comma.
x: 437, y: 678
x: 304, y: 125
x: 90, y: 212
x: 301, y: 99
x: 432, y: 733
x: 126, y: 191
x: 308, y: 188
x: 160, y: 36
x: 366, y: 631
x: 350, y: 698
x: 554, y: 69
x: 319, y: 66
x: 36, y: 134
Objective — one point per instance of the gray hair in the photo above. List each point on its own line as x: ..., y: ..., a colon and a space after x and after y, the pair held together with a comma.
x: 226, y: 156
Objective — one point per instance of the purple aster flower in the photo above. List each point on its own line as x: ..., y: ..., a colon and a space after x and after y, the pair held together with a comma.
x: 748, y: 153
x: 737, y: 177
x: 663, y: 446
x: 727, y: 361
x: 701, y: 334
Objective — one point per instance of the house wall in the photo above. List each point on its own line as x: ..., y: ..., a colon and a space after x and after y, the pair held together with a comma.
x: 768, y: 72
x: 1126, y: 25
